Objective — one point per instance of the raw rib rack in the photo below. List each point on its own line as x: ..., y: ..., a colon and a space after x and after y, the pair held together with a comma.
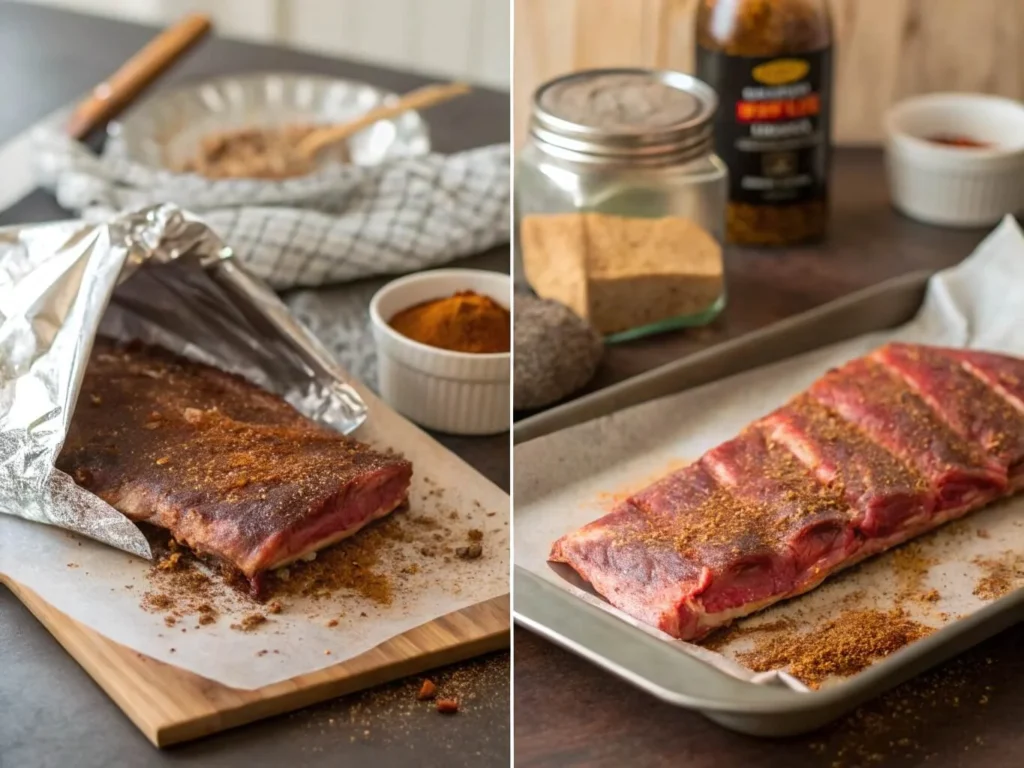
x: 885, y: 448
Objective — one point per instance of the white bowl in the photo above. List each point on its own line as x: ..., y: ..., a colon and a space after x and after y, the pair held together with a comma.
x: 457, y: 392
x: 956, y: 186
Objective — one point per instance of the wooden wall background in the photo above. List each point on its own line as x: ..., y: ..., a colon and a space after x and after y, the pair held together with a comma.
x: 885, y: 49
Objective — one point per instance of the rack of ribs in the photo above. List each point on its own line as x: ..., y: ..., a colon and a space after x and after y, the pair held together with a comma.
x: 233, y: 472
x: 874, y: 453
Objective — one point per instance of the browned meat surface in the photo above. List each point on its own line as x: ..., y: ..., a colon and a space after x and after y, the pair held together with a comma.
x: 230, y: 470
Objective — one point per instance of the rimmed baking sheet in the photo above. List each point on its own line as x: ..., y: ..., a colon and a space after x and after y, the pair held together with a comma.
x: 567, y: 477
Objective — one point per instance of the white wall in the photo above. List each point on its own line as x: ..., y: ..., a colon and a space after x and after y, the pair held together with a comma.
x: 458, y: 39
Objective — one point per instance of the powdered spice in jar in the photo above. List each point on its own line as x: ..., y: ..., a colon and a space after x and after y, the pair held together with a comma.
x: 465, y: 322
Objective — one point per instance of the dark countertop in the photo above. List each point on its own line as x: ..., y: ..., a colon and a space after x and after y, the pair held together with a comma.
x: 51, y: 713
x: 966, y: 713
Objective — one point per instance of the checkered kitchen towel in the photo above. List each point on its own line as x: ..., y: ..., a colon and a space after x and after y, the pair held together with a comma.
x: 314, y: 232
x: 339, y: 225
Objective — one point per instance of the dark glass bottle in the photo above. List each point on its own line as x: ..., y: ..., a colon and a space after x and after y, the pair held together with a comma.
x: 770, y: 62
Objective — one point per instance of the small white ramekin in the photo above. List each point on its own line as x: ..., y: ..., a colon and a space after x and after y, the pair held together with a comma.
x: 456, y: 392
x: 956, y: 186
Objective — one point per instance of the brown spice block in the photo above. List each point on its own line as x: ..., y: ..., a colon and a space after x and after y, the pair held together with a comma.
x: 621, y: 273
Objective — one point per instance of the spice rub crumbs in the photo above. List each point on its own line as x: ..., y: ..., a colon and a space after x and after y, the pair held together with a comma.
x: 836, y: 648
x: 1000, y: 575
x: 250, y: 622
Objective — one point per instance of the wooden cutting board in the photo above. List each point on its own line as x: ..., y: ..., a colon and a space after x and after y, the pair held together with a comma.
x: 170, y: 705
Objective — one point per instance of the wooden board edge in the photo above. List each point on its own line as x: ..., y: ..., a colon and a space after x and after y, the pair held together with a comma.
x: 275, y: 699
x: 284, y: 697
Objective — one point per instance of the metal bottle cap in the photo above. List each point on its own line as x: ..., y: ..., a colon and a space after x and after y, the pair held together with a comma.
x: 627, y: 114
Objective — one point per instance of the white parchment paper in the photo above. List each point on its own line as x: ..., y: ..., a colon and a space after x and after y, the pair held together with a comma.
x: 102, y: 587
x: 569, y: 478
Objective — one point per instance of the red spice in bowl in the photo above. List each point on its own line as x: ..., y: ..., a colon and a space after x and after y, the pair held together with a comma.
x: 960, y: 142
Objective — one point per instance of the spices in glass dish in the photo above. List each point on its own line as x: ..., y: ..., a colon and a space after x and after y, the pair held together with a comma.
x: 770, y: 61
x: 254, y: 153
x: 962, y: 142
x: 620, y: 200
x: 464, y: 322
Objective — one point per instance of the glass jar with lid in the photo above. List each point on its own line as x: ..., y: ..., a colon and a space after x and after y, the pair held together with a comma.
x: 620, y: 200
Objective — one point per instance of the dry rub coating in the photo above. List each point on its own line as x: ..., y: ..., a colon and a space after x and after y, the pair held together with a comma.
x: 229, y: 469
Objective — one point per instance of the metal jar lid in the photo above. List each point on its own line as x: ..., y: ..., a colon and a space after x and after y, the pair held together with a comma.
x: 636, y: 115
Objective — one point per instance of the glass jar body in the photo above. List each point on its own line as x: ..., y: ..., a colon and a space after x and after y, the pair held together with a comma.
x: 695, y: 190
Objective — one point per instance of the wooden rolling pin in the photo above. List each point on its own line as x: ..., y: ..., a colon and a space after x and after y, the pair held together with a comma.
x: 110, y: 97
x: 421, y: 98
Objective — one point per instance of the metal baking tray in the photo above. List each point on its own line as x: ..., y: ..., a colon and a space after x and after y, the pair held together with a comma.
x: 663, y: 668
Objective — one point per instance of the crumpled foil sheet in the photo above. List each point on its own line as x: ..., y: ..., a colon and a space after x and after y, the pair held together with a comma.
x: 159, y: 275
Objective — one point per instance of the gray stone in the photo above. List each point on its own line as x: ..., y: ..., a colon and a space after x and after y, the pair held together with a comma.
x: 556, y: 352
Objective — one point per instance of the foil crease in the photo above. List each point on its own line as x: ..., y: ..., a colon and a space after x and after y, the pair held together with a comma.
x: 159, y: 275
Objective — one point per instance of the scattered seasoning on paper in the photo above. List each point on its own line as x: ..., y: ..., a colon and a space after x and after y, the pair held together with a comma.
x: 720, y: 638
x: 836, y: 648
x: 392, y: 556
x: 1000, y: 575
x: 910, y: 567
x: 178, y: 585
x: 250, y: 622
x: 349, y: 566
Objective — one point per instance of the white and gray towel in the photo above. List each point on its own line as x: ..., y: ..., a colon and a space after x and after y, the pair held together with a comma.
x: 341, y: 224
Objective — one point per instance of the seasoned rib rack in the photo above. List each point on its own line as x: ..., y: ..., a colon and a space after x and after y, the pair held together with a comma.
x: 230, y: 470
x: 883, y: 449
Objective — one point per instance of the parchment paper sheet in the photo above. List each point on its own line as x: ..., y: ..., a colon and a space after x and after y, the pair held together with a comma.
x: 94, y: 590
x: 569, y: 478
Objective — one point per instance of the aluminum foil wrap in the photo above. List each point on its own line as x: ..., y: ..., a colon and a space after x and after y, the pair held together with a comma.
x: 159, y: 275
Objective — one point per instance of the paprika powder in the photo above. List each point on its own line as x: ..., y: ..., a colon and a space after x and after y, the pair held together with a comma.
x: 465, y: 322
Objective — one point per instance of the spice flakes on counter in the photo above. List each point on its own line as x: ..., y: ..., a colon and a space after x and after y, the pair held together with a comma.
x: 392, y: 713
x: 465, y: 322
x: 447, y: 706
x: 428, y: 691
x: 901, y: 723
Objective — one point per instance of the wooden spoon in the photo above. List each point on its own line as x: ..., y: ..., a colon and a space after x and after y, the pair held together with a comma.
x: 421, y: 98
x: 115, y: 93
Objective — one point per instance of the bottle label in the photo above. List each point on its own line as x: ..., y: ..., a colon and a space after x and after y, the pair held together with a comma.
x: 772, y: 124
